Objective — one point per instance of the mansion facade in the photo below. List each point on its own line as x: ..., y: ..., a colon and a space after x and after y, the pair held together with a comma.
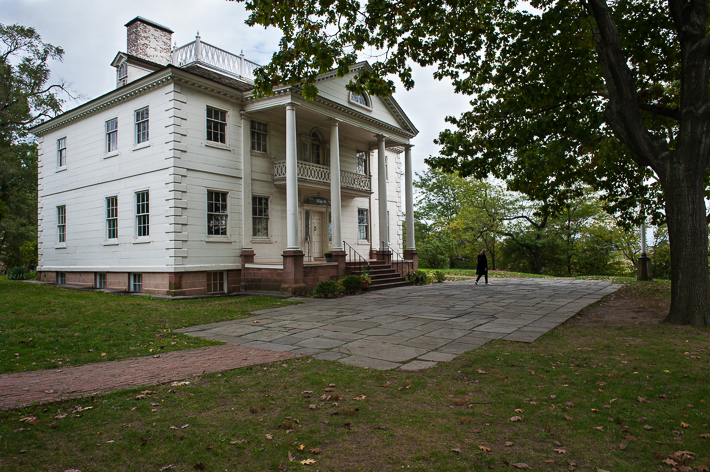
x: 180, y: 182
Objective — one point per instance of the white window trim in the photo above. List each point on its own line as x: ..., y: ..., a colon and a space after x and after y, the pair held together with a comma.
x: 268, y: 138
x: 140, y: 239
x: 110, y: 241
x: 108, y: 154
x: 261, y: 239
x: 214, y: 237
x: 61, y: 167
x: 144, y: 144
x: 367, y: 97
x: 57, y: 244
x: 227, y: 136
x: 357, y: 224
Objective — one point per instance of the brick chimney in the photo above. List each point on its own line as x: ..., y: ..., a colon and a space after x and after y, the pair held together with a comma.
x: 149, y: 40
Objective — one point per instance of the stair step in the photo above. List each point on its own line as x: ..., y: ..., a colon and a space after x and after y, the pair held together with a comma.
x: 403, y: 283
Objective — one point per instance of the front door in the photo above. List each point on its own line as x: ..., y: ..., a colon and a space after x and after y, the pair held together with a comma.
x: 317, y: 233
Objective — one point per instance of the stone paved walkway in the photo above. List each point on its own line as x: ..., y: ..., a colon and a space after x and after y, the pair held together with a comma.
x: 412, y: 328
x: 46, y: 386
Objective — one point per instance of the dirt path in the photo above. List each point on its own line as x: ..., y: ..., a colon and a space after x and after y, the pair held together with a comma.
x: 624, y: 308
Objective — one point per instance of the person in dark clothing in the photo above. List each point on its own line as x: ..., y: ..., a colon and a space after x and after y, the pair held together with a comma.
x: 482, y: 266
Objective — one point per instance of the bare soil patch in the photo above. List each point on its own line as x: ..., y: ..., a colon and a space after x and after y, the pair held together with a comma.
x: 623, y: 308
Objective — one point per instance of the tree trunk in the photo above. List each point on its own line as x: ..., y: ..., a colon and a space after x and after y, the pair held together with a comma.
x: 688, y: 238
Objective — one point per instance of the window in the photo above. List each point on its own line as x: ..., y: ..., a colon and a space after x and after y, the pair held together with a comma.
x: 360, y: 99
x: 215, y: 282
x: 111, y: 217
x: 258, y: 136
x: 362, y: 229
x: 61, y: 278
x: 362, y: 162
x: 142, y: 135
x: 100, y: 280
x: 142, y: 214
x: 260, y: 216
x: 136, y: 283
x: 122, y: 74
x: 62, y: 224
x: 216, y: 213
x: 216, y: 125
x: 313, y: 149
x: 112, y: 135
x: 62, y: 152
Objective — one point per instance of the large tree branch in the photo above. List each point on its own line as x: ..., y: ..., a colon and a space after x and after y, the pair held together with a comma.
x: 672, y: 113
x: 622, y: 112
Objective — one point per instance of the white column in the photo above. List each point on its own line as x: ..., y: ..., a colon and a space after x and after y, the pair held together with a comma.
x: 335, y: 208
x: 382, y: 190
x: 246, y: 182
x: 408, y: 194
x: 291, y: 180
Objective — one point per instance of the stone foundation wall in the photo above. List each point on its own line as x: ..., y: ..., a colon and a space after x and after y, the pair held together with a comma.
x: 159, y: 283
x: 264, y: 280
x: 312, y: 274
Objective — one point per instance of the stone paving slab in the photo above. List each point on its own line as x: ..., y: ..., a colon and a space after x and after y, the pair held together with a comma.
x: 404, y: 325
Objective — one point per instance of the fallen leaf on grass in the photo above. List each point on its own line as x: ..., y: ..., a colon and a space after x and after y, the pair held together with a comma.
x: 642, y: 400
x: 598, y: 428
x: 557, y: 443
x: 702, y: 468
x: 308, y: 462
x: 622, y: 446
x: 361, y: 397
x: 519, y: 410
x: 456, y: 450
x: 516, y: 418
x: 508, y: 444
x: 520, y: 465
x: 238, y: 441
x: 167, y: 467
x: 647, y: 427
x: 631, y: 437
x: 315, y: 451
x: 29, y: 420
x: 184, y: 426
x: 63, y: 415
x: 174, y: 427
x: 269, y: 437
x: 290, y: 457
x: 380, y: 427
x: 560, y: 451
x: 685, y: 425
x: 705, y: 436
x: 300, y: 447
x: 482, y: 371
x: 568, y: 418
x: 484, y: 448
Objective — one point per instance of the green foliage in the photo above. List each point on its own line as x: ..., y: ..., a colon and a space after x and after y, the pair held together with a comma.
x: 25, y: 98
x: 351, y: 284
x: 440, y: 276
x: 418, y: 277
x: 327, y: 289
x: 18, y: 273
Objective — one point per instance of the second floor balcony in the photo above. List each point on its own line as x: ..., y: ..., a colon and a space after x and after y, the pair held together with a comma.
x: 317, y: 175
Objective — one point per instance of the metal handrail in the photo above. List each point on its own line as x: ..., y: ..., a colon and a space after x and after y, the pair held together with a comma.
x: 399, y: 261
x: 360, y: 262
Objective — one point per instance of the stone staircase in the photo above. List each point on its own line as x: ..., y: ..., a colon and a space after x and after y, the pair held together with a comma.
x: 383, y: 275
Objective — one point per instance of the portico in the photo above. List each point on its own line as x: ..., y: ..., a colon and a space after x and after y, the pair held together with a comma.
x: 324, y: 175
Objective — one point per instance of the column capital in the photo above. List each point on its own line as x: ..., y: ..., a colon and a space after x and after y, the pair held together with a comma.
x: 408, y: 146
x: 333, y: 121
x: 290, y: 105
x: 380, y: 137
x: 245, y: 115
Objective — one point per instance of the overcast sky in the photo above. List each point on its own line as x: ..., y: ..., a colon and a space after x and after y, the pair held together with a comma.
x: 92, y: 32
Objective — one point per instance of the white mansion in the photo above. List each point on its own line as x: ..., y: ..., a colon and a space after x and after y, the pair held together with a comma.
x: 180, y: 182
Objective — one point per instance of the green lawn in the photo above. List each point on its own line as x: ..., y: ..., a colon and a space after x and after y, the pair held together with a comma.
x: 588, y: 398
x: 44, y: 327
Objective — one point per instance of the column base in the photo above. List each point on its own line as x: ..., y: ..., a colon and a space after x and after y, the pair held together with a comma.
x: 382, y: 255
x: 339, y: 257
x: 293, y: 272
x: 412, y: 255
x: 643, y: 268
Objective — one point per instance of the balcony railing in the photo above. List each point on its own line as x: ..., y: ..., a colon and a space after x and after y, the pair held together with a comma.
x: 214, y: 57
x: 321, y: 174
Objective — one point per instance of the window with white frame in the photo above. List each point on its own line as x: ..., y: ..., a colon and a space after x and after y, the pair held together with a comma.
x: 260, y: 216
x: 142, y: 125
x: 142, y: 214
x: 62, y: 224
x: 61, y: 278
x: 258, y: 136
x: 100, y: 280
x: 215, y: 282
x: 112, y: 135
x: 360, y: 99
x: 362, y: 162
x: 62, y: 152
x: 216, y: 125
x: 216, y: 213
x: 136, y: 283
x: 122, y: 74
x: 362, y: 224
x: 111, y: 217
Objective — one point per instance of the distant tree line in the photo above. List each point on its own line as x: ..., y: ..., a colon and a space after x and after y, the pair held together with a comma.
x: 456, y: 217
